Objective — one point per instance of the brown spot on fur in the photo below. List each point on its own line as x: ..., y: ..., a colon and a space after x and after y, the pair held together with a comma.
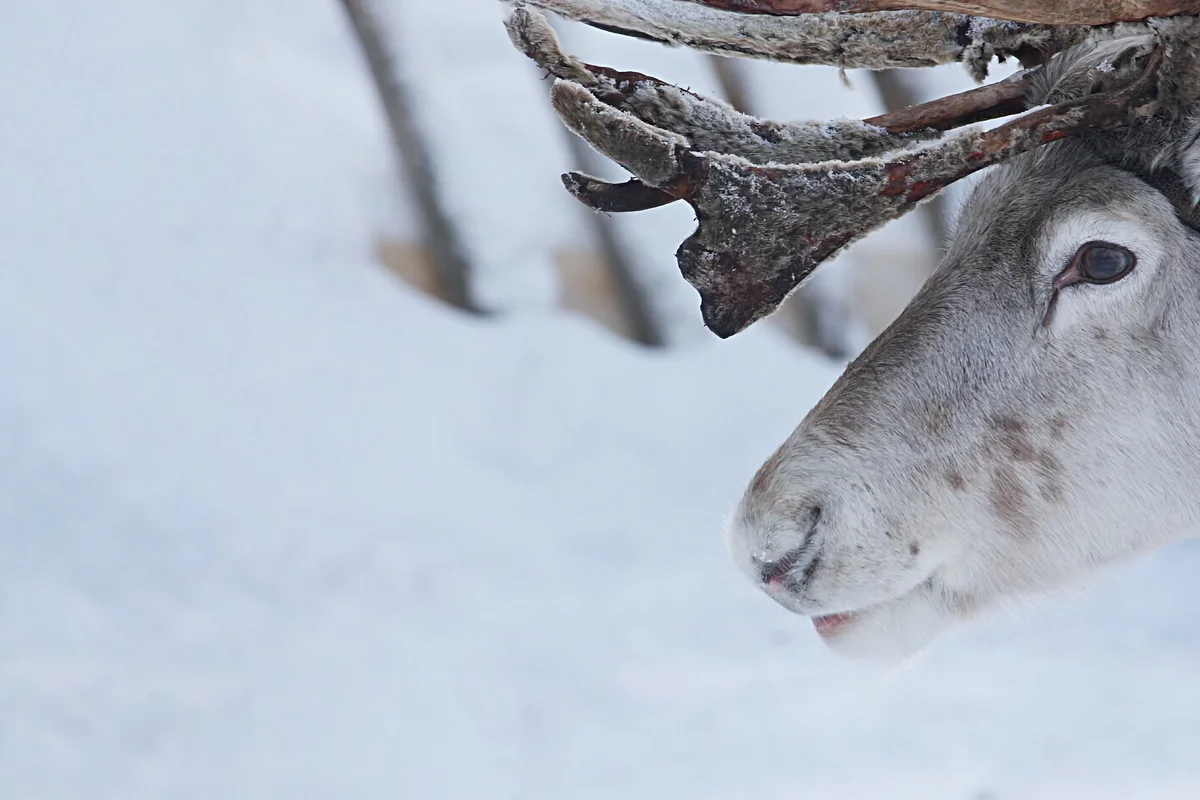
x: 936, y: 419
x: 956, y: 480
x: 1009, y: 496
x: 1051, y: 491
x: 1050, y: 488
x: 1049, y: 464
x: 1011, y: 424
x: 914, y: 549
x: 1015, y: 438
x: 1058, y: 430
x: 1009, y: 501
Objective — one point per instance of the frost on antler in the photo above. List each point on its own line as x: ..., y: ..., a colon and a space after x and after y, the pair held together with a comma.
x: 764, y: 229
x: 773, y: 201
x: 705, y: 123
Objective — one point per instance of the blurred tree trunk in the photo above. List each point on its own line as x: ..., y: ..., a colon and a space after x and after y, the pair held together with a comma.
x: 439, y: 236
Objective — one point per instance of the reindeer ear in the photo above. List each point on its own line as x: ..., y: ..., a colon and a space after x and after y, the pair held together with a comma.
x: 1187, y: 157
x: 1181, y: 82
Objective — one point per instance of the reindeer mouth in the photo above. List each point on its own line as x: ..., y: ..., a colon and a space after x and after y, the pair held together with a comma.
x: 892, y: 629
x: 826, y: 625
x: 832, y: 624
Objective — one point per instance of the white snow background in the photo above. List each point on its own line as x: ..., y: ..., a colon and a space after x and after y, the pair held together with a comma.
x: 274, y: 526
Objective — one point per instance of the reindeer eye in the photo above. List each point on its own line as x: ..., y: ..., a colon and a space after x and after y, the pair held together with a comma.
x: 1102, y: 262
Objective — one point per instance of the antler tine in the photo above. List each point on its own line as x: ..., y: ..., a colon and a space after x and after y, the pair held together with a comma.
x: 632, y: 195
x: 874, y: 41
x: 706, y: 124
x: 1094, y: 12
x: 1010, y: 96
x: 713, y: 126
x: 987, y: 102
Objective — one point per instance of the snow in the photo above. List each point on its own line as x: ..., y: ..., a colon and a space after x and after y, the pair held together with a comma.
x: 274, y: 526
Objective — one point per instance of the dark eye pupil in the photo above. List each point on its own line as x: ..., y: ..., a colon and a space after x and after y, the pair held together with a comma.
x: 1102, y: 263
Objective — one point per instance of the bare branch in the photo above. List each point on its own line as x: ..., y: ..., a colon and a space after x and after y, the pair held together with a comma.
x: 956, y: 110
x: 1055, y: 12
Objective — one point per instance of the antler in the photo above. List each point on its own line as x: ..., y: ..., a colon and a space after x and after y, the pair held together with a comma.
x: 773, y: 201
x: 1080, y: 12
x: 873, y: 41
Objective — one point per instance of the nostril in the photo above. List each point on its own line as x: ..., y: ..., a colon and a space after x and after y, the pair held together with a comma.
x: 776, y: 571
x: 772, y: 572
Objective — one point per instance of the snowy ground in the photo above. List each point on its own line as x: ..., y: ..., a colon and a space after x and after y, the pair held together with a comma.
x: 271, y: 526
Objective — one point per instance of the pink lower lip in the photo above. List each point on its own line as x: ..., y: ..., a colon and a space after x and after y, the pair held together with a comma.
x: 831, y: 623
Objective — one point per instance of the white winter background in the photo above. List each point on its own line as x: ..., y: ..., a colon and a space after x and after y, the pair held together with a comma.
x: 274, y: 525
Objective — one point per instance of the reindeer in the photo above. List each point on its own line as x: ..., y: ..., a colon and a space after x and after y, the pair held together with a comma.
x: 1034, y: 413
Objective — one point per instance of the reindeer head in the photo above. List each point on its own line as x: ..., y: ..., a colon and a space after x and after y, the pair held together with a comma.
x: 1027, y: 418
x: 1030, y: 416
x: 1032, y: 413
